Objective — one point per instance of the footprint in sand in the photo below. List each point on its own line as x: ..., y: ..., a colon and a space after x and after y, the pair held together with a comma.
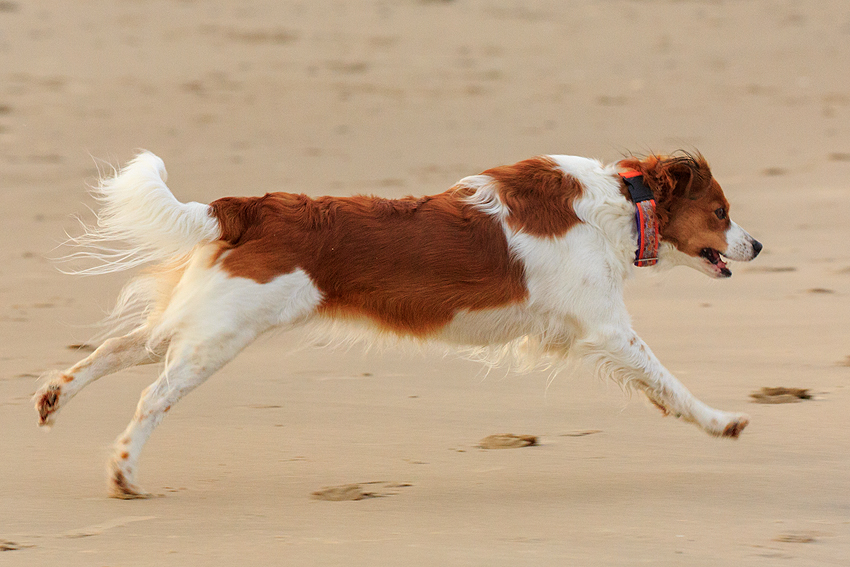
x: 6, y: 545
x: 358, y: 491
x: 581, y: 432
x: 507, y: 441
x: 98, y: 529
x: 795, y: 538
x: 780, y: 395
x: 772, y: 269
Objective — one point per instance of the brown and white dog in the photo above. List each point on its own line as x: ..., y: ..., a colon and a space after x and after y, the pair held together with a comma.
x: 533, y: 253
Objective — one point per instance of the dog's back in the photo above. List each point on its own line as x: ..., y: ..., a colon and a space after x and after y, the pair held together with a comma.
x: 408, y: 265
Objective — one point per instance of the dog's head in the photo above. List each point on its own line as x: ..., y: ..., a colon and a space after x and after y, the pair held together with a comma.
x: 693, y: 215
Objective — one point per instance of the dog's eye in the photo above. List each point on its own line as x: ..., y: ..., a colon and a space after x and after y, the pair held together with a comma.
x: 720, y: 213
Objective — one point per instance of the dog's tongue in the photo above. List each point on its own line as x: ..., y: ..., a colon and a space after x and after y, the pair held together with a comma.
x: 726, y: 272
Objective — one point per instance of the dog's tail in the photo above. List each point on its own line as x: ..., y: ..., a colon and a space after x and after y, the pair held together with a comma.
x: 140, y: 221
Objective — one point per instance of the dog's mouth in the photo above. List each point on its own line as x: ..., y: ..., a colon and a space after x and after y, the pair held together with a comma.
x: 718, y: 266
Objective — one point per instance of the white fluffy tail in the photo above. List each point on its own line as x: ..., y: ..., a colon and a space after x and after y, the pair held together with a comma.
x: 140, y: 221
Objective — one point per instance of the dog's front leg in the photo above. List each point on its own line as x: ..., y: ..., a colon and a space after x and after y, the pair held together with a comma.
x: 625, y: 358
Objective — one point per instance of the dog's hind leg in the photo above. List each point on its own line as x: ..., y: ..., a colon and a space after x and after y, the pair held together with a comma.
x: 214, y: 316
x: 190, y: 364
x: 113, y: 355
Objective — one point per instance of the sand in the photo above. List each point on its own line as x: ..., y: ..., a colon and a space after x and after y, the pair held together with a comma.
x: 406, y: 97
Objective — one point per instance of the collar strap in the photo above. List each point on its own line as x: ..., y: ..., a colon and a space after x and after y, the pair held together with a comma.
x: 645, y: 218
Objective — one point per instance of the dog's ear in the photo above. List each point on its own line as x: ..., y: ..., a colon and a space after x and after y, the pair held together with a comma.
x: 689, y: 175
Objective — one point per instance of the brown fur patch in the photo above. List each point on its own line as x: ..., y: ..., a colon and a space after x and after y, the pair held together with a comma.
x: 408, y: 264
x: 539, y: 196
x: 124, y: 455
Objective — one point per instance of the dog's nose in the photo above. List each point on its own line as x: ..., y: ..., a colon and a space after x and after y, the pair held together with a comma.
x: 756, y: 247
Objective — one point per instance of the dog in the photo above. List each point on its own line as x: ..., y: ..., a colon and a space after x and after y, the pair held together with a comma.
x: 532, y: 254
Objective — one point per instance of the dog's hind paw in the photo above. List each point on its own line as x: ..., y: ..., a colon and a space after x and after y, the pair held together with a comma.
x: 120, y: 486
x: 47, y: 404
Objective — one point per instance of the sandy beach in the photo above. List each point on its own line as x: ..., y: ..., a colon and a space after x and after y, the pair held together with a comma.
x: 405, y: 97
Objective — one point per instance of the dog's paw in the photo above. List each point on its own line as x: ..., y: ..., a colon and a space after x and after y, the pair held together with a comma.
x: 51, y: 396
x: 121, y: 471
x: 726, y: 424
x: 47, y: 404
x: 723, y: 424
x: 121, y: 489
x: 121, y: 484
x: 735, y: 426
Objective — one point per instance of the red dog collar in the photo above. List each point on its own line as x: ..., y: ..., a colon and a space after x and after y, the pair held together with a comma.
x: 645, y: 219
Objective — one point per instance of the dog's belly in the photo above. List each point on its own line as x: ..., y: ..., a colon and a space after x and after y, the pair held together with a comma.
x: 486, y: 327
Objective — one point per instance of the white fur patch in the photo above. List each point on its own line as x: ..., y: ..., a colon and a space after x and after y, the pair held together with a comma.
x: 141, y: 221
x: 739, y: 244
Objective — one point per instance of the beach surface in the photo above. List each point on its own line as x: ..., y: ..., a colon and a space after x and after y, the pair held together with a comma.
x: 300, y: 455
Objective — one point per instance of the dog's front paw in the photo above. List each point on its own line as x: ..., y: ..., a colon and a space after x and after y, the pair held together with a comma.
x: 721, y: 423
x: 736, y: 425
x: 725, y: 424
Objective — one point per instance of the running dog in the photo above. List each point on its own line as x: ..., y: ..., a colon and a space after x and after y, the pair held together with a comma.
x: 533, y: 254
